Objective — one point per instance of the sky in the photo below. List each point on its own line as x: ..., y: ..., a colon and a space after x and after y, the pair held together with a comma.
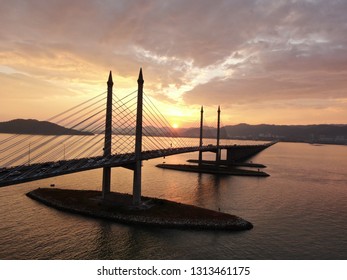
x: 262, y: 61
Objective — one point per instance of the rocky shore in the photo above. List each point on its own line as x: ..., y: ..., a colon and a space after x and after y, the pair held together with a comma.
x: 152, y: 212
x: 213, y: 170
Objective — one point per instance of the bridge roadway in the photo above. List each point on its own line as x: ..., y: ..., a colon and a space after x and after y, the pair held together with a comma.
x: 27, y: 173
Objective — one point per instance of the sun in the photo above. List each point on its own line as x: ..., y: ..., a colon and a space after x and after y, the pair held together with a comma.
x: 175, y: 125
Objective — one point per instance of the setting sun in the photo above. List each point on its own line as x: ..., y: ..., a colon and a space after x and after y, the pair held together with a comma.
x: 175, y: 125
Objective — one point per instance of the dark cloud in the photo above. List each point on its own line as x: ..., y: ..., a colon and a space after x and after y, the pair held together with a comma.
x: 205, y: 32
x: 278, y: 87
x: 262, y: 50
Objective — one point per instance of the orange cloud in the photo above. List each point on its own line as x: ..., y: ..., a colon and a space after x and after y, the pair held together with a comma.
x: 238, y: 54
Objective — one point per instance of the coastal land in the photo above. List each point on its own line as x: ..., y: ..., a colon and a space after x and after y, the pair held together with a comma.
x: 35, y: 127
x: 313, y: 134
x: 118, y: 207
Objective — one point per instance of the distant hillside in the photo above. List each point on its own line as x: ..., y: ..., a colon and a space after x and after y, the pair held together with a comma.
x: 20, y: 126
x: 322, y: 133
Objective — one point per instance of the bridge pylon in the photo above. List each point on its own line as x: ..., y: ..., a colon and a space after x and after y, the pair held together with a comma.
x: 106, y: 175
x: 137, y: 166
x: 201, y: 133
x: 138, y: 143
x: 218, y: 148
x: 218, y: 152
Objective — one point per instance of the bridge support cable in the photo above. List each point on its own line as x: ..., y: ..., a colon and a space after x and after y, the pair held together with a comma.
x: 17, y: 153
x: 127, y: 128
x: 71, y: 152
x: 124, y: 123
x: 155, y: 132
x: 125, y: 115
x: 56, y: 148
x: 18, y: 150
x: 82, y: 118
x: 79, y: 105
x: 155, y: 127
x: 62, y: 154
x: 78, y: 140
x: 71, y: 125
x: 161, y: 123
x: 159, y: 139
x: 45, y: 146
x: 75, y: 145
x: 155, y: 138
x: 151, y: 142
x: 77, y: 157
x: 52, y: 119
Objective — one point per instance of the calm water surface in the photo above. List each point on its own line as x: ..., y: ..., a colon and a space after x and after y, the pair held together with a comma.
x: 299, y: 212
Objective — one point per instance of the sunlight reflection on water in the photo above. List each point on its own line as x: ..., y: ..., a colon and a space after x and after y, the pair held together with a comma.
x: 299, y: 212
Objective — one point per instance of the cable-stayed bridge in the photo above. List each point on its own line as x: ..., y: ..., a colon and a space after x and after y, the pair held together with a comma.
x: 114, y: 131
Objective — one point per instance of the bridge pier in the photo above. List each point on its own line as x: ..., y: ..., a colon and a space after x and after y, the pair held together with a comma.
x: 106, y: 174
x: 106, y: 181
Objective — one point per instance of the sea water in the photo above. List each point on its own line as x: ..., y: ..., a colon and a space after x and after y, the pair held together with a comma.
x: 298, y: 212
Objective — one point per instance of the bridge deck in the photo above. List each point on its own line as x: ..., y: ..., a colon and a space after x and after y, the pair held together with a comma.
x: 27, y: 173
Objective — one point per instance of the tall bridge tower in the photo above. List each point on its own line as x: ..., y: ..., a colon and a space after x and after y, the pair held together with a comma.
x: 137, y: 166
x: 106, y: 175
x: 138, y: 142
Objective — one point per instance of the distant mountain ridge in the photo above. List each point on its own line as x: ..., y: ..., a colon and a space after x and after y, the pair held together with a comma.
x: 320, y: 133
x: 31, y: 126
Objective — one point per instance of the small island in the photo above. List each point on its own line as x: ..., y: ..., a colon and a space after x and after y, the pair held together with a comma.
x: 35, y: 127
x: 152, y: 212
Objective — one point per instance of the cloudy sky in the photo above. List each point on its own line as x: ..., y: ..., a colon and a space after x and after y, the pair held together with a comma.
x: 262, y: 61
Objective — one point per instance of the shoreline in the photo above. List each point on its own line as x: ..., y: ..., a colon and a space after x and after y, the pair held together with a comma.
x: 152, y: 212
